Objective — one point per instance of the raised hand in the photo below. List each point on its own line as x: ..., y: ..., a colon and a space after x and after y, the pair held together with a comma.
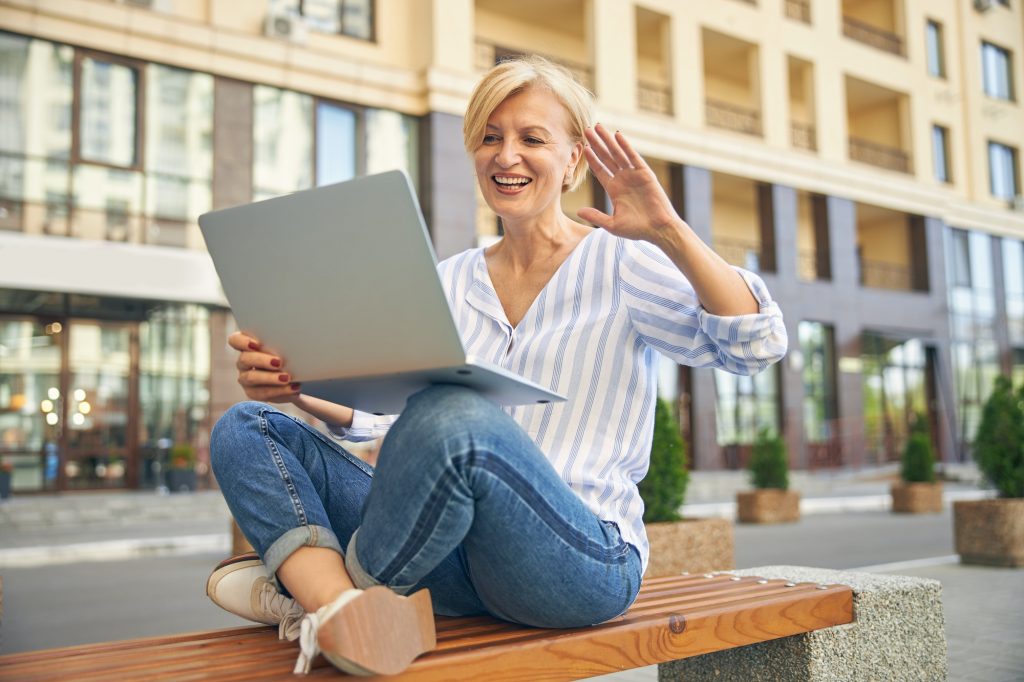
x: 262, y: 375
x: 640, y: 207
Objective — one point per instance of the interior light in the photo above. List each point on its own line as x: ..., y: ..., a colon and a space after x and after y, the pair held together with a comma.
x: 46, y: 406
x: 84, y: 407
x: 78, y: 419
x: 79, y: 394
x: 51, y: 418
x: 53, y: 393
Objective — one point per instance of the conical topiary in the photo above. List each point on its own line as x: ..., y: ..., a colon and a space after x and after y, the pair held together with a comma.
x: 918, y: 461
x: 664, y: 488
x: 769, y: 462
x: 999, y: 444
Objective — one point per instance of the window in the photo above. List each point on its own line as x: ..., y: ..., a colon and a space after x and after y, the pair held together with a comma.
x: 996, y: 72
x: 353, y: 18
x: 292, y: 152
x: 940, y: 153
x: 1002, y: 171
x: 101, y: 147
x: 746, y: 405
x: 936, y: 52
x: 1013, y: 283
x: 820, y: 407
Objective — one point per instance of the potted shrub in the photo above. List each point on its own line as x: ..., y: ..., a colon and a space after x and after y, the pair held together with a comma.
x: 181, y: 470
x: 678, y: 545
x: 6, y: 472
x: 918, y: 492
x: 772, y: 501
x: 991, y: 532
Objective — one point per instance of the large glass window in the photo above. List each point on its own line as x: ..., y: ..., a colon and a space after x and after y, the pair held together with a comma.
x: 1002, y: 171
x: 349, y: 141
x: 91, y: 182
x: 894, y: 393
x: 936, y: 50
x: 35, y: 134
x: 746, y: 404
x: 820, y: 410
x: 997, y: 75
x: 1013, y: 279
x: 940, y: 153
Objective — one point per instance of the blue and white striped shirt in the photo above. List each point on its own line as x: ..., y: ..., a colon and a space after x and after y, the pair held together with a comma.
x: 591, y: 335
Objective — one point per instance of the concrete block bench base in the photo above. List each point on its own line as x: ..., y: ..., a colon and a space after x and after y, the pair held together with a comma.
x: 898, y: 633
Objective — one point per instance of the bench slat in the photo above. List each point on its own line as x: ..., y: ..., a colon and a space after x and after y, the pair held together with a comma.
x: 673, y: 618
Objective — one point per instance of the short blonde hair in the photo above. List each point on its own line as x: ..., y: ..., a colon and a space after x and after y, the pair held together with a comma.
x: 512, y: 76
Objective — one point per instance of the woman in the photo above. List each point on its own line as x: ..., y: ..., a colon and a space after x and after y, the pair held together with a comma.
x: 530, y: 514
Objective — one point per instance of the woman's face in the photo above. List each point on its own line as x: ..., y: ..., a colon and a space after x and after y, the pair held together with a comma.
x: 526, y: 155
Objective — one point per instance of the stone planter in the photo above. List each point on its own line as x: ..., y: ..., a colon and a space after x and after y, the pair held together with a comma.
x: 916, y: 498
x: 990, y: 532
x: 768, y: 505
x: 181, y: 480
x: 690, y: 545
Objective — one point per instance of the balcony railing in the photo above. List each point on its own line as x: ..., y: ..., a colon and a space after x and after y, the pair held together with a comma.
x: 804, y: 135
x: 873, y: 36
x: 745, y: 254
x: 880, y: 275
x: 732, y: 117
x: 799, y: 10
x: 807, y: 265
x: 656, y: 98
x: 488, y: 54
x: 879, y: 155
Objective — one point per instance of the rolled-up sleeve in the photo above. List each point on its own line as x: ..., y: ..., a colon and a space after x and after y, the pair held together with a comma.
x: 365, y: 427
x: 668, y: 316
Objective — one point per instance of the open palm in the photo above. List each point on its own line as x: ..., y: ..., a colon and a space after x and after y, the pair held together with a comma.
x: 640, y: 207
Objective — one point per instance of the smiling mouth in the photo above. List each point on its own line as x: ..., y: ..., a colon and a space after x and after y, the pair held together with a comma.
x: 510, y: 185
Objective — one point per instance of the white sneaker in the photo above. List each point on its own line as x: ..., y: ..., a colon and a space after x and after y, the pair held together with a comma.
x: 241, y: 585
x: 368, y: 632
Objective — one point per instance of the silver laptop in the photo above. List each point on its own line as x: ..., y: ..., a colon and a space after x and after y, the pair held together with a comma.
x: 341, y: 281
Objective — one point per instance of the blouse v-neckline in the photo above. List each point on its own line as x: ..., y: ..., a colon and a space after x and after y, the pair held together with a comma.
x: 492, y: 305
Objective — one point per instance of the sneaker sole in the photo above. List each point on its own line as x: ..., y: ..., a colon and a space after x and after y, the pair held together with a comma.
x: 227, y: 567
x: 379, y: 632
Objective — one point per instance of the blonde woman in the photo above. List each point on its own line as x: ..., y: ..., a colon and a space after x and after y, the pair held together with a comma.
x: 529, y: 514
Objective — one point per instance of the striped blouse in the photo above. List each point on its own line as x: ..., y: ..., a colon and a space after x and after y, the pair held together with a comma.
x: 591, y: 335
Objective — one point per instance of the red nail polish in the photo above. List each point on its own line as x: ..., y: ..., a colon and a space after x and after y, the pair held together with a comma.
x: 253, y: 345
x: 282, y: 378
x: 275, y: 363
x: 296, y: 387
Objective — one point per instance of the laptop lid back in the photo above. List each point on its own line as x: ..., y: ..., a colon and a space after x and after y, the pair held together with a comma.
x: 340, y: 280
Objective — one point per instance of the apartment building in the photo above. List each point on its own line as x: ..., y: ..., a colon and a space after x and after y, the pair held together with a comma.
x: 863, y: 156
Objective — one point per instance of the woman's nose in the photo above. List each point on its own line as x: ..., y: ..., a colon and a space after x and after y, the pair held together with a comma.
x: 508, y: 154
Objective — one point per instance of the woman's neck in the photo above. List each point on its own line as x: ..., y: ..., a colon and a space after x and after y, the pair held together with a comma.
x: 535, y: 240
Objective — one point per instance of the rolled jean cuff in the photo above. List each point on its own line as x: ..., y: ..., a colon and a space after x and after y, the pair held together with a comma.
x: 303, y: 536
x: 362, y: 579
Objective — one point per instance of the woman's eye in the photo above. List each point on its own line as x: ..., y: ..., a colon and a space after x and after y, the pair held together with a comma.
x: 534, y: 140
x: 490, y: 139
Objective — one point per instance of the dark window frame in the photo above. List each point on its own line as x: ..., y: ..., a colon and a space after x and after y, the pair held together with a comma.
x: 372, y: 4
x: 944, y: 172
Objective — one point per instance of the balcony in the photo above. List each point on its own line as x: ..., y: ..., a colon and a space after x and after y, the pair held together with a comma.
x: 655, y: 98
x: 879, y: 155
x: 799, y: 10
x: 878, y: 23
x: 740, y: 252
x: 878, y: 122
x: 732, y: 86
x: 732, y: 117
x: 882, y: 275
x: 891, y: 249
x: 653, y: 61
x: 742, y: 232
x: 803, y: 135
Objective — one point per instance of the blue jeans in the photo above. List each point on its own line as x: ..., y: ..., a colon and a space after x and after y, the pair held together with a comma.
x: 462, y: 502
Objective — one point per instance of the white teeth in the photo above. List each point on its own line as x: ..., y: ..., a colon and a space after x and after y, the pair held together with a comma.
x: 511, y: 181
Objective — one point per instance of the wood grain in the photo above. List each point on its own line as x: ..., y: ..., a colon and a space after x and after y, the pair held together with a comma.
x: 673, y: 618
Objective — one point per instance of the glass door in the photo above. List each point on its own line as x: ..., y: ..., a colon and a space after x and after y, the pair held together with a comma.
x: 97, y: 405
x: 31, y: 401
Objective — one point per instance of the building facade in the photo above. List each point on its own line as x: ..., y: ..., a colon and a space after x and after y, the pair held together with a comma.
x: 862, y: 155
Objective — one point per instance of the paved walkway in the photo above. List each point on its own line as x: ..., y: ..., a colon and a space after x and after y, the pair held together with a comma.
x: 984, y: 621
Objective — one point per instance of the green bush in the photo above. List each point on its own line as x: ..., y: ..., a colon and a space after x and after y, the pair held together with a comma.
x: 769, y: 462
x: 999, y: 444
x: 183, y: 456
x: 664, y: 488
x: 918, y: 459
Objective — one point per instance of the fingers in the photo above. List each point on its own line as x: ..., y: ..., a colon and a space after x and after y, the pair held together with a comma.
x: 608, y: 149
x: 267, y: 386
x: 258, y: 360
x: 243, y: 341
x: 598, y: 168
x: 594, y: 217
x: 635, y: 160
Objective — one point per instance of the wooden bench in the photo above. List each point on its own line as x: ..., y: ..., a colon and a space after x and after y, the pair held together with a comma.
x: 673, y: 618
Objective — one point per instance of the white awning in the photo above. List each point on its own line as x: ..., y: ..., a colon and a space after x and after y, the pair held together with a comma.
x: 96, y: 268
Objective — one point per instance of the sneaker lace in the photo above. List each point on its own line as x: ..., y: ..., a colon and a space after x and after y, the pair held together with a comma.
x: 286, y: 609
x: 309, y: 647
